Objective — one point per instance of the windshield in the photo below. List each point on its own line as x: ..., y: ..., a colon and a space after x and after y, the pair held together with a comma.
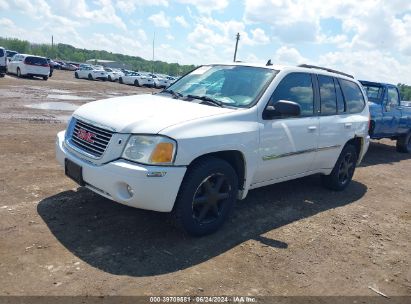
x: 236, y: 86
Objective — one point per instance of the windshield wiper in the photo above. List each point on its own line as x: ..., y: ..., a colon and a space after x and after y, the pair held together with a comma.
x: 207, y: 99
x: 175, y: 94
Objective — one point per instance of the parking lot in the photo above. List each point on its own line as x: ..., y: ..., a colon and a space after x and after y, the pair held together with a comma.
x: 293, y: 238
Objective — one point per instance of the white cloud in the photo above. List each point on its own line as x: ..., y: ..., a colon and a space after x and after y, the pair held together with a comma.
x: 129, y: 6
x: 170, y: 37
x: 288, y: 56
x: 372, y: 65
x: 160, y: 20
x: 206, y: 6
x: 182, y: 21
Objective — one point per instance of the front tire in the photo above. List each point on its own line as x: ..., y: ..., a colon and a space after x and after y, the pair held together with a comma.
x: 76, y: 75
x: 18, y: 73
x: 45, y: 78
x: 207, y: 196
x: 90, y: 77
x: 404, y: 143
x: 343, y: 171
x: 120, y: 80
x: 136, y: 83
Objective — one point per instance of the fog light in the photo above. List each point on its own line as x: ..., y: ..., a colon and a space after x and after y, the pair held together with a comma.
x: 130, y: 191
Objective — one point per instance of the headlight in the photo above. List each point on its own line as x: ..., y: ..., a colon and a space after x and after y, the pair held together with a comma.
x: 150, y: 149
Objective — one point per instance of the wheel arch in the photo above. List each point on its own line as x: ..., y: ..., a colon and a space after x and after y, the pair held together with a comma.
x: 234, y: 157
x: 358, y: 143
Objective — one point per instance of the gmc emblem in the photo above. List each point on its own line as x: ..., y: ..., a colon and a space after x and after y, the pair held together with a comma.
x: 85, y: 135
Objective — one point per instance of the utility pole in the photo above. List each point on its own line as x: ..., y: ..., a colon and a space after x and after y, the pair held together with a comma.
x: 236, y: 46
x: 154, y: 38
x: 52, y: 45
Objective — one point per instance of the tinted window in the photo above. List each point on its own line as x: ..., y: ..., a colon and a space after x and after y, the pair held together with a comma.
x: 35, y: 60
x: 296, y: 87
x: 393, y: 97
x: 353, y: 96
x: 1, y: 52
x: 327, y: 95
x: 341, y: 107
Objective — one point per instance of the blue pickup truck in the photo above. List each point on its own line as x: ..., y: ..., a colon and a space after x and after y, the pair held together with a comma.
x: 389, y: 118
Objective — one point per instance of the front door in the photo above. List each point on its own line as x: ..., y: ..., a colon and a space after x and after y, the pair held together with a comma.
x: 288, y: 144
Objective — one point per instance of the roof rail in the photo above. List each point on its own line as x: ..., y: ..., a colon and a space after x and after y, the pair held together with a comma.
x: 325, y: 69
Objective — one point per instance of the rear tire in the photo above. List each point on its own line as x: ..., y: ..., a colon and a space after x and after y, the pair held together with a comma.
x: 45, y: 78
x: 109, y: 78
x: 206, y: 197
x: 343, y: 171
x: 404, y: 143
x: 136, y: 83
x: 18, y: 73
x: 76, y: 75
x: 120, y: 80
x: 90, y: 77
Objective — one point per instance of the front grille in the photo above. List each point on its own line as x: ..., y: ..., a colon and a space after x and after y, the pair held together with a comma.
x: 97, y: 143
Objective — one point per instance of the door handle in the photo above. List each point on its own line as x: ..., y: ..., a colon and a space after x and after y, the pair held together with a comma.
x: 348, y: 125
x: 312, y: 128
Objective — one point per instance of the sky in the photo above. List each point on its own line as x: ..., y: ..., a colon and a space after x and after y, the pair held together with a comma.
x: 370, y: 39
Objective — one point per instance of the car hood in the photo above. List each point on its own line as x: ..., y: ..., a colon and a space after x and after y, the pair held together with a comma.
x: 144, y: 113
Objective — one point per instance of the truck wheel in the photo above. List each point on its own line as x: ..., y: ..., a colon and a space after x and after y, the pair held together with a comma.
x: 343, y: 171
x: 404, y: 143
x: 207, y: 196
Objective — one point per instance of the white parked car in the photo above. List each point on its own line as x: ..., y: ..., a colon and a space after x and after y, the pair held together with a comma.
x: 198, y: 146
x: 137, y: 79
x: 160, y: 81
x: 91, y: 72
x: 3, y: 61
x: 113, y: 74
x: 29, y: 65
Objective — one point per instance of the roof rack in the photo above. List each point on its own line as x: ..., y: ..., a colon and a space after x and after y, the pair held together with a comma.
x: 325, y: 69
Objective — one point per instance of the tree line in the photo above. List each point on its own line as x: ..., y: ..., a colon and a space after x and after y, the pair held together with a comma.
x: 405, y: 91
x: 67, y: 52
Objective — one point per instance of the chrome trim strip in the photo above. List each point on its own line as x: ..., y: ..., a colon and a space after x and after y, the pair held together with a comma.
x: 274, y: 156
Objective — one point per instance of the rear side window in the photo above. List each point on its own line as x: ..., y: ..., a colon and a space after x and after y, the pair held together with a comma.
x: 297, y: 87
x: 341, y: 107
x: 327, y: 95
x: 353, y: 96
x: 35, y: 60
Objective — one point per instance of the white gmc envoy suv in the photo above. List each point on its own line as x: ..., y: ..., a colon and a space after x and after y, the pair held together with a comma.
x: 221, y: 130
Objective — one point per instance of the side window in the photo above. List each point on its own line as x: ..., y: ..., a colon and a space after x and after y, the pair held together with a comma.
x: 393, y: 98
x: 297, y: 87
x: 341, y: 106
x: 327, y: 95
x: 353, y: 96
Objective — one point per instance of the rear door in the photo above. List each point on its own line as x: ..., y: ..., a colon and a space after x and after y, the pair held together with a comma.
x: 336, y: 127
x: 288, y: 144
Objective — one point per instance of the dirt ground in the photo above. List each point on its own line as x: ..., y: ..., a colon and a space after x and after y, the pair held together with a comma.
x: 293, y: 238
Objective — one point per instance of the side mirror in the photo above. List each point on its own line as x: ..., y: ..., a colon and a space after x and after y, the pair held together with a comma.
x: 282, y: 108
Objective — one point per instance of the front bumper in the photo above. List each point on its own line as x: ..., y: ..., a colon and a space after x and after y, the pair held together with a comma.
x: 110, y: 180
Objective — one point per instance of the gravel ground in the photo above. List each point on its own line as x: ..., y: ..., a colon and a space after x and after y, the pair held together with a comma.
x: 293, y: 238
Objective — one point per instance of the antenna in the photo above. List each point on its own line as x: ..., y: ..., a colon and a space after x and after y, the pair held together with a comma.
x: 269, y: 63
x: 236, y: 46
